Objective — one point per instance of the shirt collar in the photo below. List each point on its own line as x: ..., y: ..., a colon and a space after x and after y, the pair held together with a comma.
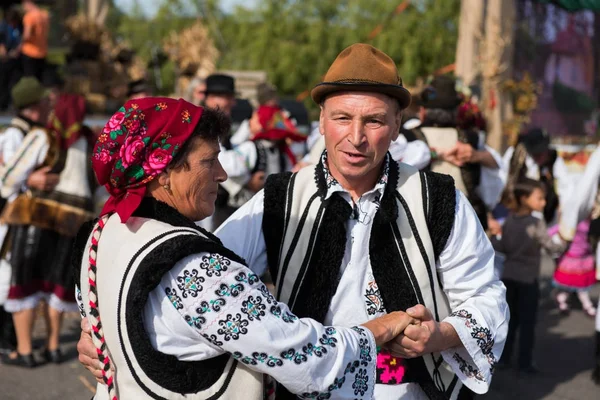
x: 334, y: 186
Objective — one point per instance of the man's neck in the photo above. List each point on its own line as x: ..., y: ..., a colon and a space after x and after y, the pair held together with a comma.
x: 356, y: 187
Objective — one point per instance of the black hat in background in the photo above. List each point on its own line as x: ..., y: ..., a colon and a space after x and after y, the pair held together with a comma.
x: 441, y: 93
x: 220, y: 84
x: 137, y: 86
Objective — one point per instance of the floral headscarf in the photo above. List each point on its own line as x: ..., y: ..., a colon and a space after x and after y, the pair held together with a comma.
x: 66, y: 120
x: 137, y: 144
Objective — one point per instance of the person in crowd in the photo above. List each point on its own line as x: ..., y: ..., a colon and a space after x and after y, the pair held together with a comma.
x: 576, y: 270
x: 43, y: 221
x: 585, y: 203
x: 523, y: 237
x: 175, y: 311
x: 268, y: 148
x: 457, y: 151
x: 10, y: 64
x: 34, y: 43
x: 31, y: 105
x: 533, y: 158
x: 195, y: 93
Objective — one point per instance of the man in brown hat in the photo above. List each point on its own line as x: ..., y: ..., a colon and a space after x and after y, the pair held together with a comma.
x: 359, y: 235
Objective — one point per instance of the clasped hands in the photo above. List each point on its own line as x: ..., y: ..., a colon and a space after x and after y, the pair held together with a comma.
x: 413, y: 333
x: 459, y: 154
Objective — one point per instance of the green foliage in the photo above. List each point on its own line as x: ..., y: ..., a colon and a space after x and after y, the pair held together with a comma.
x: 296, y: 41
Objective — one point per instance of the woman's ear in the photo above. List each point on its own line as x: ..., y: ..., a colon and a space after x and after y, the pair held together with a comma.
x: 163, y: 179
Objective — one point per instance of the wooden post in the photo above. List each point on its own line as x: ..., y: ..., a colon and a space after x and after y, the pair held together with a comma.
x: 497, y: 64
x: 470, y: 34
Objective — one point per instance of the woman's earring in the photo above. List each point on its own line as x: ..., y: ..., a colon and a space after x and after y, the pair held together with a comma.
x: 167, y: 188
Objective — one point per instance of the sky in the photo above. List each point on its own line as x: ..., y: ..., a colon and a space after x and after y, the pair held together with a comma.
x: 151, y: 6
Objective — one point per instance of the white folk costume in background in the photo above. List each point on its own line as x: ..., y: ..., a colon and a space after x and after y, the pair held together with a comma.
x: 176, y: 313
x: 42, y: 225
x: 340, y: 262
x: 267, y: 151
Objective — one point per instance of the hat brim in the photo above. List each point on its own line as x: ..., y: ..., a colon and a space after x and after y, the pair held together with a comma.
x: 218, y: 91
x: 322, y: 90
x: 445, y: 104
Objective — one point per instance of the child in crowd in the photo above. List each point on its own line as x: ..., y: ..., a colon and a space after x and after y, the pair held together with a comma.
x: 523, y: 237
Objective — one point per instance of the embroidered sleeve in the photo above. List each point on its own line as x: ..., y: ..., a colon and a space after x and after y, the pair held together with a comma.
x: 477, y: 297
x: 232, y: 310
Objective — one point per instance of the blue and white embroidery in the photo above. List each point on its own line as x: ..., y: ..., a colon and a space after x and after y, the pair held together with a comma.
x: 174, y: 298
x: 361, y: 382
x: 232, y: 290
x: 232, y: 327
x: 256, y: 358
x: 254, y: 308
x: 214, y: 264
x: 197, y: 321
x: 284, y: 316
x: 250, y: 279
x: 190, y: 283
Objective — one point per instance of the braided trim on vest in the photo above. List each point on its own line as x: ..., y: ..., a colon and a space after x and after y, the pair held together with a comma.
x: 94, y: 315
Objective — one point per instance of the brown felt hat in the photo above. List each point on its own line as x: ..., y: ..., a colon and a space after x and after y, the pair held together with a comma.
x: 362, y: 68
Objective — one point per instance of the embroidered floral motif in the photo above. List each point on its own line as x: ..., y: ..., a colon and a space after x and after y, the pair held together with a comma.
x: 232, y: 290
x: 232, y: 327
x: 80, y: 303
x: 310, y: 349
x: 481, y: 334
x: 185, y: 117
x: 214, y: 264
x: 268, y: 296
x: 256, y: 358
x: 361, y: 382
x: 329, y: 179
x: 213, y: 339
x: 286, y: 317
x: 190, y: 283
x: 383, y: 179
x: 254, y: 308
x: 161, y: 107
x: 250, y: 279
x: 365, y: 352
x: 467, y: 369
x: 373, y: 298
x: 174, y: 298
x: 195, y: 321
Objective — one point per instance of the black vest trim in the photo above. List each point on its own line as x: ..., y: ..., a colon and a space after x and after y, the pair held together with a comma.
x: 278, y: 188
x: 443, y: 201
x: 164, y: 369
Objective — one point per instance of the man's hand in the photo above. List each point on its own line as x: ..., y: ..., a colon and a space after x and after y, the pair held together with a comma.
x: 451, y: 156
x: 464, y: 152
x: 427, y: 337
x: 88, y: 357
x: 42, y: 179
x: 388, y: 326
x: 256, y: 182
x: 494, y: 226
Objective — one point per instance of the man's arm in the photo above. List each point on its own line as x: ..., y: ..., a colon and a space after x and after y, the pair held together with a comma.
x: 477, y: 298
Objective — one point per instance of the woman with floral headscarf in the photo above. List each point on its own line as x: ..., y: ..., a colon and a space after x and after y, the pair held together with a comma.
x: 174, y: 312
x: 43, y: 224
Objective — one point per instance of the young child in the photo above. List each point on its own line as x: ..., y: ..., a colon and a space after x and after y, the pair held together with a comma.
x: 523, y: 237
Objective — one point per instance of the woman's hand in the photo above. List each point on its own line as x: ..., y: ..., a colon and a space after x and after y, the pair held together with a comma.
x: 389, y: 326
x: 88, y: 357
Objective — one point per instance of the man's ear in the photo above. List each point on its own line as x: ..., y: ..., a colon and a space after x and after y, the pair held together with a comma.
x: 322, y: 119
x: 398, y: 122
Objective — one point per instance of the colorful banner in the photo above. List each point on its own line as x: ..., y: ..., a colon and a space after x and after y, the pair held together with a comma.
x: 558, y: 49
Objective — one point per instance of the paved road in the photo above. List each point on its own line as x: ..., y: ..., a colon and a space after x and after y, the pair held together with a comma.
x: 564, y: 354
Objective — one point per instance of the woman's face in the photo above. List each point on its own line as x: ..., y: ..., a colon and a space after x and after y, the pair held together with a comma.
x: 194, y: 187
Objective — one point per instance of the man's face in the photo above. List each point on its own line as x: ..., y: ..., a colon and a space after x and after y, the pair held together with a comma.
x: 541, y: 158
x: 358, y: 129
x: 198, y: 95
x: 223, y: 102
